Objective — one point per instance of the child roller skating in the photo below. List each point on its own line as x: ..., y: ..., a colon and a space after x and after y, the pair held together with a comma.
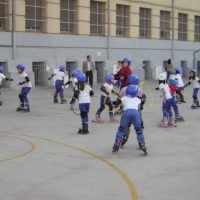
x: 83, y: 93
x: 133, y: 80
x: 59, y: 83
x: 25, y: 89
x: 168, y: 120
x: 105, y: 100
x: 180, y: 84
x: 73, y: 80
x: 2, y: 76
x: 194, y: 80
x: 129, y: 116
x: 174, y: 89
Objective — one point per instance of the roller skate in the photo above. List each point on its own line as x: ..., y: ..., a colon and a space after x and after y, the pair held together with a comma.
x: 55, y: 100
x: 143, y: 147
x: 116, y: 145
x: 97, y: 119
x: 179, y: 118
x: 84, y: 130
x: 1, y: 103
x: 172, y: 123
x: 125, y: 137
x: 26, y: 108
x: 163, y: 123
x: 19, y: 108
x: 112, y: 119
x: 63, y: 100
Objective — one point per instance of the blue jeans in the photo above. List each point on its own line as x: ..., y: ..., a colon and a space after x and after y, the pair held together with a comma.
x: 105, y: 101
x: 59, y: 89
x: 195, y: 93
x: 24, y: 93
x: 84, y: 110
x: 130, y: 116
x: 166, y: 107
x: 174, y: 105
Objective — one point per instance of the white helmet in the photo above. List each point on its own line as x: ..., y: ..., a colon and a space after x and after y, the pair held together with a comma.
x: 162, y: 76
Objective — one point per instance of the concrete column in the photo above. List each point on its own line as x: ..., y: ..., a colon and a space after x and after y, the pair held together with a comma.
x: 83, y: 17
x: 191, y: 21
x: 134, y: 21
x: 20, y: 15
x: 155, y: 23
x: 52, y: 16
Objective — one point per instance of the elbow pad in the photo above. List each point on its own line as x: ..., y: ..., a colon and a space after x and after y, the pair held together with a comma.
x: 91, y: 93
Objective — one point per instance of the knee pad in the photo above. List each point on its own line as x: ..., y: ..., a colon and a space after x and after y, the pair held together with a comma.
x: 121, y: 129
x: 83, y: 115
x: 139, y: 131
x: 21, y: 96
x: 110, y: 107
x: 194, y: 97
x: 102, y: 107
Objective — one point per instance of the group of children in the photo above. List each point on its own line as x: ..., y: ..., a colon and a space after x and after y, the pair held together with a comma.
x: 130, y: 100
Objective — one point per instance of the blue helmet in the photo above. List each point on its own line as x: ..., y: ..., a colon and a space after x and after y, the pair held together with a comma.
x: 21, y: 67
x: 193, y: 70
x: 108, y: 77
x: 173, y: 82
x: 133, y: 80
x: 132, y: 91
x: 127, y: 60
x: 1, y: 68
x: 62, y: 67
x: 74, y: 72
x: 81, y: 76
x: 178, y: 69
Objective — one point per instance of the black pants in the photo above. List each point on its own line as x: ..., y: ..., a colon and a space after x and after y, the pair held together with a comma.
x: 89, y: 76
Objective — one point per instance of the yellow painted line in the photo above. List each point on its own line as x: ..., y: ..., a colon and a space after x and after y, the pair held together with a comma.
x: 126, y: 179
x: 21, y: 154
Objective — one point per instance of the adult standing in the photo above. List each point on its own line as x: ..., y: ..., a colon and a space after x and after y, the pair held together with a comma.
x: 124, y: 72
x: 88, y: 69
x: 169, y: 69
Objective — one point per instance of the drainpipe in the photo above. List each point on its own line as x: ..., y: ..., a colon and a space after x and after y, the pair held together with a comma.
x: 194, y: 57
x: 172, y: 40
x: 108, y: 37
x: 13, y: 29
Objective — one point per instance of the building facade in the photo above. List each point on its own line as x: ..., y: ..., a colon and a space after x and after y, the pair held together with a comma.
x: 43, y: 34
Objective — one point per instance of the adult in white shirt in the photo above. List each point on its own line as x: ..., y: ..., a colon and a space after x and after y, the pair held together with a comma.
x: 88, y: 69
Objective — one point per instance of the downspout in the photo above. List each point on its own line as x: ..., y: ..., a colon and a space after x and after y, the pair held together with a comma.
x: 108, y: 37
x: 172, y: 40
x: 13, y: 29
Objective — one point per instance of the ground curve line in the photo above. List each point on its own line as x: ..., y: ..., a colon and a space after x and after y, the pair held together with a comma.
x: 126, y: 179
x: 20, y: 155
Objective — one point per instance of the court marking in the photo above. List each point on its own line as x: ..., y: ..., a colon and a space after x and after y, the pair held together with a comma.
x: 125, y: 178
x: 20, y: 155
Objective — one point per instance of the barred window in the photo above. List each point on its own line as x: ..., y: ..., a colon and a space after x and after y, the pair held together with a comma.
x: 182, y: 27
x: 145, y: 23
x: 34, y: 15
x: 164, y: 25
x: 122, y: 21
x: 68, y: 16
x: 97, y: 18
x: 197, y: 29
x: 3, y: 14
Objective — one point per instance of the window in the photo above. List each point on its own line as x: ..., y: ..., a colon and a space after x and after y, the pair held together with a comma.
x: 164, y: 25
x: 3, y: 14
x: 68, y: 16
x: 34, y: 15
x: 122, y: 21
x: 197, y: 29
x: 145, y: 23
x: 97, y: 18
x: 39, y: 70
x: 70, y: 66
x: 182, y: 27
